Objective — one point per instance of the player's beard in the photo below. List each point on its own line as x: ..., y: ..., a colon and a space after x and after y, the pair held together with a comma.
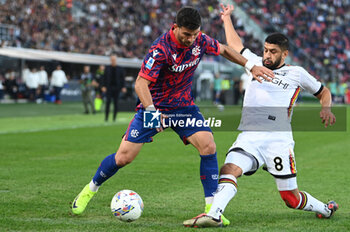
x: 273, y: 65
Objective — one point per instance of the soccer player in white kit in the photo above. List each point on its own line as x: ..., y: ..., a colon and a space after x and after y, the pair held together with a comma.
x: 266, y: 138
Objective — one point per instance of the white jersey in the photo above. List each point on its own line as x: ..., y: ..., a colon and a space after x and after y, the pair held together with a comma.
x: 58, y: 78
x: 268, y: 106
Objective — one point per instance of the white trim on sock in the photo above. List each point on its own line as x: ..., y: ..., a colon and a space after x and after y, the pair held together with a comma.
x: 93, y: 186
x: 229, y: 176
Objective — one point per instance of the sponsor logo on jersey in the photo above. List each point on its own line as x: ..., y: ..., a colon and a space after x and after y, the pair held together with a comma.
x: 181, y: 68
x: 155, y: 52
x: 196, y: 51
x: 174, y: 56
x: 277, y: 81
x: 150, y: 63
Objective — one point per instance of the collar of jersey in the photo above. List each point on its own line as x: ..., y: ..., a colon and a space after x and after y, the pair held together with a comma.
x: 173, y: 38
x: 279, y: 67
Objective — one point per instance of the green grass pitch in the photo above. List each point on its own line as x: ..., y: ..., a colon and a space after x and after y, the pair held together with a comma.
x: 49, y: 152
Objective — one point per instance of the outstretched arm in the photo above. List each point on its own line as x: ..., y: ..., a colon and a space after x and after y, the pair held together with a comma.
x: 326, y: 114
x: 232, y: 38
x: 231, y: 52
x: 235, y: 57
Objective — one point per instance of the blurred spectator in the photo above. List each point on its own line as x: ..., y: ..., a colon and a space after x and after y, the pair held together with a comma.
x: 98, y: 27
x: 342, y: 91
x: 128, y: 27
x: 333, y: 87
x: 87, y: 89
x: 99, y: 78
x: 43, y: 83
x: 319, y: 27
x: 11, y: 87
x: 113, y: 83
x: 1, y: 89
x: 204, y: 82
x: 25, y: 73
x: 58, y: 79
x: 217, y: 89
x: 32, y: 84
x: 98, y: 89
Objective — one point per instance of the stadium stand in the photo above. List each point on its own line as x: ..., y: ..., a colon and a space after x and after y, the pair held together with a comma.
x: 318, y: 29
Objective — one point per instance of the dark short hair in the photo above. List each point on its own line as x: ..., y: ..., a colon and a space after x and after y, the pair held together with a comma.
x: 279, y: 39
x: 188, y: 17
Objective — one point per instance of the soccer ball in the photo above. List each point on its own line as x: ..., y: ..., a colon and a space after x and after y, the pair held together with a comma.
x: 127, y: 205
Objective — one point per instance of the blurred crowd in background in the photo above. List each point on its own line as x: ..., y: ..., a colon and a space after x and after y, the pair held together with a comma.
x: 319, y: 29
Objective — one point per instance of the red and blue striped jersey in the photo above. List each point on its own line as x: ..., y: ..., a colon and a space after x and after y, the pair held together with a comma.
x: 170, y: 67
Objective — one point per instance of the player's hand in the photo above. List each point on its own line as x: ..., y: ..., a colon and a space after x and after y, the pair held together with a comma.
x: 162, y: 118
x: 226, y: 11
x: 259, y: 72
x: 124, y: 90
x: 327, y: 116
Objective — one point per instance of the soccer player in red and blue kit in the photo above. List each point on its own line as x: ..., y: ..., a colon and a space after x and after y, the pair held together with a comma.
x: 164, y: 84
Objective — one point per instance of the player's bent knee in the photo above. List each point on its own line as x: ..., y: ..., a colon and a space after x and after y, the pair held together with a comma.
x: 123, y: 159
x: 231, y: 169
x: 208, y: 149
x: 289, y: 199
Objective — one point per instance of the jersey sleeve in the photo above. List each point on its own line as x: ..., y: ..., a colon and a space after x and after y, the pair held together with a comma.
x: 249, y: 55
x: 212, y: 45
x: 309, y: 83
x: 152, y: 64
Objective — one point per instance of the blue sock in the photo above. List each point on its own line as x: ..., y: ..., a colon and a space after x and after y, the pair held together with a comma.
x: 209, y: 172
x: 107, y: 168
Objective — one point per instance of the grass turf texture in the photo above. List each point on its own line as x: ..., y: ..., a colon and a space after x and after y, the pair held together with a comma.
x: 48, y: 153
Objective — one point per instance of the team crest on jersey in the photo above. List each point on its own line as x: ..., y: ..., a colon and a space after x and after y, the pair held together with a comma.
x: 196, y: 51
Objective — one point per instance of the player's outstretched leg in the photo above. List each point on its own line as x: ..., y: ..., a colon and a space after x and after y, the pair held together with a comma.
x: 208, y: 172
x: 107, y: 169
x: 332, y: 206
x: 307, y: 202
x: 226, y: 190
x: 202, y: 221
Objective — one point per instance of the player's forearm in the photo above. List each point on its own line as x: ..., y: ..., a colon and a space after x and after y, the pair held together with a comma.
x: 325, y: 98
x: 142, y: 91
x: 232, y: 55
x: 232, y: 38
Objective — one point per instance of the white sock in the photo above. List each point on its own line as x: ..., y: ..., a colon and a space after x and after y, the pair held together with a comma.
x: 209, y: 200
x: 226, y: 190
x: 309, y: 203
x: 93, y: 186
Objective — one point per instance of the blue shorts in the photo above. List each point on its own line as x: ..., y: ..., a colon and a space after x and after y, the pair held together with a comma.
x: 190, y: 115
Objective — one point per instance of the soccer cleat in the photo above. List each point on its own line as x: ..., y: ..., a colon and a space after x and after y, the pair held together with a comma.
x: 332, y: 206
x: 203, y: 221
x: 80, y: 202
x: 225, y: 221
